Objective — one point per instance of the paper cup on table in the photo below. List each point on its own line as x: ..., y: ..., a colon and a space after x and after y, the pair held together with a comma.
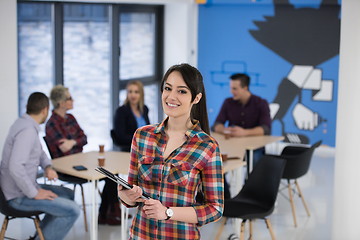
x: 227, y: 134
x: 224, y: 157
x: 101, y: 161
x: 101, y: 148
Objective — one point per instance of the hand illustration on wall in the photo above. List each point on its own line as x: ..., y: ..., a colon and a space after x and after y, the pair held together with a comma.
x: 299, y: 79
x: 305, y: 37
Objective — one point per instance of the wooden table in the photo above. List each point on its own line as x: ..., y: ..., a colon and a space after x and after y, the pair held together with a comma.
x: 115, y: 162
x: 237, y: 146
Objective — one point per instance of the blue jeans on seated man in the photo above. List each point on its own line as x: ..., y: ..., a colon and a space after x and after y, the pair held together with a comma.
x: 60, y: 213
x: 257, y: 154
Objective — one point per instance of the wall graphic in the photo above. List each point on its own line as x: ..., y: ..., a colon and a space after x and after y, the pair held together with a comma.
x: 289, y: 49
x: 305, y: 37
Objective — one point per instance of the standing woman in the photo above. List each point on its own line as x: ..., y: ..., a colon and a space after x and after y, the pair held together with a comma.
x: 172, y: 161
x: 130, y: 116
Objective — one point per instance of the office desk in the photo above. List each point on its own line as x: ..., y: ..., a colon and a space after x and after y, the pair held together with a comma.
x: 115, y: 162
x: 230, y: 146
x: 230, y: 165
x: 237, y: 146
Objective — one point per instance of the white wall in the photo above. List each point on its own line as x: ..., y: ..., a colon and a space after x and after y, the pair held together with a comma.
x: 8, y: 68
x: 180, y: 41
x: 180, y: 45
x: 347, y: 157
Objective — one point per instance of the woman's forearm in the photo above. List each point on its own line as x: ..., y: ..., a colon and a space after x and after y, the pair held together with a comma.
x: 184, y: 214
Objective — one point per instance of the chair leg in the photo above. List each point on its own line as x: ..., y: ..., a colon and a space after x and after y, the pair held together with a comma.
x: 292, y: 203
x: 96, y: 187
x: 4, y: 227
x: 250, y: 229
x: 221, y: 228
x: 242, y: 229
x: 38, y: 229
x: 302, y: 198
x: 84, y: 207
x: 268, y: 225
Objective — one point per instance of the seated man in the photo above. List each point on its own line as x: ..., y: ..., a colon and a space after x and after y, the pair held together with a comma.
x: 244, y: 113
x: 21, y: 157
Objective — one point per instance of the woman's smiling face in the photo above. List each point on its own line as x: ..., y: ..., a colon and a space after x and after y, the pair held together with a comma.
x: 176, y: 96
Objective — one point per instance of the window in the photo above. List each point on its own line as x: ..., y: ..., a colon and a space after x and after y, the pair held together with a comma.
x: 137, y: 42
x: 35, y: 50
x: 138, y: 31
x: 86, y: 52
x: 76, y: 45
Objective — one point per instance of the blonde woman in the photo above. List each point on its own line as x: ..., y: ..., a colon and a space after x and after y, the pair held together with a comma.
x: 130, y: 116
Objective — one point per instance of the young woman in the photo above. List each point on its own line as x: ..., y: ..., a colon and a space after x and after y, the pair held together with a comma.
x: 130, y: 116
x: 172, y: 161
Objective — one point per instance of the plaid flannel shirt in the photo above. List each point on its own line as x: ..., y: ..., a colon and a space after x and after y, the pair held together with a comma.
x: 57, y: 128
x: 175, y: 181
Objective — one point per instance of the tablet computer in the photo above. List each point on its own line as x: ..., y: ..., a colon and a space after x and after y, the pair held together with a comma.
x: 118, y: 180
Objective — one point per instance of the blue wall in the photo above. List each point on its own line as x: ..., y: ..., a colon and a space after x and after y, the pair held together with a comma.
x: 227, y: 45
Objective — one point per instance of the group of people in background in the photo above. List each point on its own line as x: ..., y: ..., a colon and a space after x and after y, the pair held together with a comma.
x: 172, y: 161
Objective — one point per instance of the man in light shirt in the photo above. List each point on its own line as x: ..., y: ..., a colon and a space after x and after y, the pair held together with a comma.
x: 21, y: 157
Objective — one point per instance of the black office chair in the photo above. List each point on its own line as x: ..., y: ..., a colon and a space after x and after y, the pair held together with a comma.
x: 298, y: 159
x: 11, y: 213
x: 256, y: 199
x: 72, y: 180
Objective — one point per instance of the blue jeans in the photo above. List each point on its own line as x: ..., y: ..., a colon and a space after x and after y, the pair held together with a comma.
x: 60, y: 213
x: 257, y: 154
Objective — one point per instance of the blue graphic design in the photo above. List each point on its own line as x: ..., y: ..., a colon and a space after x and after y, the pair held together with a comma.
x: 290, y: 52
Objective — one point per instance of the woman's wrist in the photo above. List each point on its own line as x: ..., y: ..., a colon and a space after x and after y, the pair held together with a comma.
x: 133, y: 204
x: 125, y: 200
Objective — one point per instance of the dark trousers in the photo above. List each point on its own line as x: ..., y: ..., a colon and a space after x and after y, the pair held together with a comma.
x: 108, y: 197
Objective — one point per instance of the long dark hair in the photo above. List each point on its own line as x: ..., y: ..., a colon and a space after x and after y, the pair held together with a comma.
x: 194, y: 81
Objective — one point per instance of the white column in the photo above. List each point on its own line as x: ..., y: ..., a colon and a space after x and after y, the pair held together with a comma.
x: 347, y: 158
x: 180, y: 41
x: 8, y: 68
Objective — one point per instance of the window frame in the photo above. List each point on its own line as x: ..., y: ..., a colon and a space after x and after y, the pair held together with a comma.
x: 57, y: 21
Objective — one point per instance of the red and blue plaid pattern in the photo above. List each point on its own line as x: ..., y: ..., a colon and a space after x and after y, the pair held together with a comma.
x: 57, y: 128
x: 175, y: 181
